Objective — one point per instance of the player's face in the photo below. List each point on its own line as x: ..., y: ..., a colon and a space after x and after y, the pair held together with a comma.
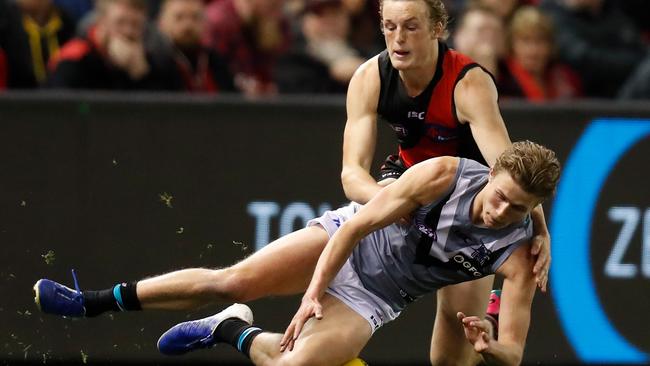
x: 505, y: 202
x: 410, y: 38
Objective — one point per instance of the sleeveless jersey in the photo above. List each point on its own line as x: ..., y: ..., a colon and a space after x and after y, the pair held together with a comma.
x: 427, y: 125
x: 440, y: 247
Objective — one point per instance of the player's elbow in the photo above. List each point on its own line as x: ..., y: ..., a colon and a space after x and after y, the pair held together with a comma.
x: 349, y: 180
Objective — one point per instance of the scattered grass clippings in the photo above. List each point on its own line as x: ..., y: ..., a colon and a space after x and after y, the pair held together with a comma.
x: 26, y: 350
x: 84, y: 357
x: 49, y: 257
x: 166, y: 198
x: 239, y: 243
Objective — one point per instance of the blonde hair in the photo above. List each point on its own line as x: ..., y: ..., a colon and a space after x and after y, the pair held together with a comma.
x: 529, y: 19
x: 534, y: 167
x: 438, y: 15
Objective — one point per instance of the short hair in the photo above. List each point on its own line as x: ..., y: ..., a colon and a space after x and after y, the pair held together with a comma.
x: 141, y: 5
x: 534, y: 167
x: 437, y: 12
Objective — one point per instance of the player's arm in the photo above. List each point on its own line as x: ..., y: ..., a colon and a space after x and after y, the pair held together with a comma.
x: 421, y: 184
x: 360, y: 134
x: 514, y: 315
x: 476, y: 100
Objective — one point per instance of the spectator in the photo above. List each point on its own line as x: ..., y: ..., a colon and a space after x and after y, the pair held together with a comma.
x: 365, y: 34
x: 532, y: 71
x: 252, y: 34
x: 502, y: 8
x: 598, y: 41
x: 199, y: 69
x: 321, y: 60
x: 113, y: 56
x: 33, y: 32
x: 480, y: 35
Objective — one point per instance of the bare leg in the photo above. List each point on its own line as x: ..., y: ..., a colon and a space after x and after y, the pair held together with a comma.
x: 283, y: 267
x: 342, y: 333
x: 448, y: 343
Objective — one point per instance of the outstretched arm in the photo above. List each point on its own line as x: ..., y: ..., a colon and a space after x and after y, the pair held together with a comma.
x: 420, y: 185
x: 514, y: 317
x: 476, y: 103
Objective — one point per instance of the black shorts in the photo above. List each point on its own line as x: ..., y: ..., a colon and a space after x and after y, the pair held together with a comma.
x: 393, y: 167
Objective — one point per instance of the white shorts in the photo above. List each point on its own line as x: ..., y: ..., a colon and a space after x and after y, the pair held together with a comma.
x: 347, y: 286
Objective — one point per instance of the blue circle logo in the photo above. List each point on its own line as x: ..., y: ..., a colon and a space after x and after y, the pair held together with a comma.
x: 581, y: 314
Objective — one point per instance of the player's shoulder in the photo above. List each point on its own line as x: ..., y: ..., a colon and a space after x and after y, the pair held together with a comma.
x: 367, y: 71
x: 364, y: 87
x: 476, y: 77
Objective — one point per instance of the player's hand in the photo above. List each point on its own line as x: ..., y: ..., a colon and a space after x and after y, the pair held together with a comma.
x: 310, y: 307
x: 541, y: 247
x: 477, y: 331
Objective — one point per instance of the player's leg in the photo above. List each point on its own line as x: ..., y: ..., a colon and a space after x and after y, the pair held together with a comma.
x: 448, y: 343
x: 341, y: 331
x: 282, y: 267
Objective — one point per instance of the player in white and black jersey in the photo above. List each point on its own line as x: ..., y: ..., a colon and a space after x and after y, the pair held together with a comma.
x: 469, y: 221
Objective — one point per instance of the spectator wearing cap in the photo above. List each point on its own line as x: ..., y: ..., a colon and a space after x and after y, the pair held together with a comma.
x: 113, y: 55
x: 321, y: 59
x: 33, y: 32
x: 251, y: 35
x: 197, y: 68
x: 532, y: 71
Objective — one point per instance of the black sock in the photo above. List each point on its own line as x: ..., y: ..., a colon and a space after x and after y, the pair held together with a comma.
x: 121, y: 297
x: 237, y: 333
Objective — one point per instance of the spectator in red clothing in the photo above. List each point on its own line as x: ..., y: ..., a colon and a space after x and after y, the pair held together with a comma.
x: 251, y: 34
x: 533, y: 72
x: 113, y: 56
x: 199, y: 69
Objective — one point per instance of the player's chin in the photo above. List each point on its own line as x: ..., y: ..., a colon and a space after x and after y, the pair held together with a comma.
x: 401, y: 64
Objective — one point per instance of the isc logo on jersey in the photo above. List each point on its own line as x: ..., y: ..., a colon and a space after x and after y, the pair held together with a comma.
x: 467, y: 265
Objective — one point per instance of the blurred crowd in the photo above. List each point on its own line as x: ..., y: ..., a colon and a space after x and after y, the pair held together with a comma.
x: 538, y: 50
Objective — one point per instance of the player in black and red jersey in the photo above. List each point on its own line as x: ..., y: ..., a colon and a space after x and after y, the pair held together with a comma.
x: 438, y: 102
